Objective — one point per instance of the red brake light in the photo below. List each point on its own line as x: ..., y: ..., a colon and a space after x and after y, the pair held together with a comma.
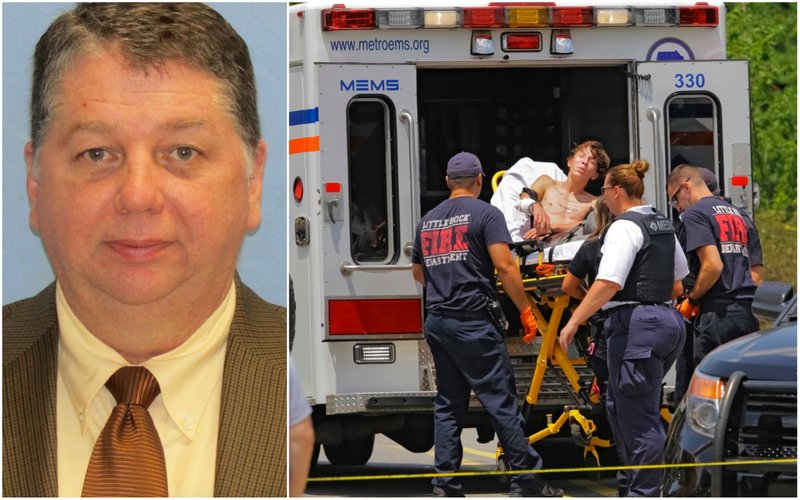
x: 572, y: 17
x: 699, y: 15
x: 484, y: 17
x: 375, y: 316
x: 348, y: 19
x: 333, y: 187
x: 297, y: 189
x: 527, y: 42
x: 739, y: 180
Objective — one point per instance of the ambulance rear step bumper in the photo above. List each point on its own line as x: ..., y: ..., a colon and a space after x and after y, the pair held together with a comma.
x: 552, y: 393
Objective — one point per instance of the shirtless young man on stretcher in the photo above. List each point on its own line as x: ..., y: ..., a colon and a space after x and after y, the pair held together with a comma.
x: 556, y: 206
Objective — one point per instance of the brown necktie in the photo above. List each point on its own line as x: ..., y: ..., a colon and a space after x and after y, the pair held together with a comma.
x: 128, y: 459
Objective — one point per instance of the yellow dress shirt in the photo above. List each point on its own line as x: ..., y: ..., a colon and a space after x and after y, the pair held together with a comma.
x: 186, y: 413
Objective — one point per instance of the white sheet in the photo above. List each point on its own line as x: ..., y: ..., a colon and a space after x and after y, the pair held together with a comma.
x: 521, y: 174
x: 558, y: 253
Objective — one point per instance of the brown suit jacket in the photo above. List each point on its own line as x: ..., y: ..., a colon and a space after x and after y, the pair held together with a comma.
x: 251, y: 451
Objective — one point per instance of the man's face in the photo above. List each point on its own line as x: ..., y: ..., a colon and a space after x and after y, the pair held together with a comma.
x: 583, y: 165
x: 142, y: 193
x: 678, y: 196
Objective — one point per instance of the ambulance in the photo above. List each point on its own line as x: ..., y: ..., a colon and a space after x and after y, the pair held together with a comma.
x: 382, y: 93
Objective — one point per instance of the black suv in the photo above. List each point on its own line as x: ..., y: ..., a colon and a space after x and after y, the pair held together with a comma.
x: 741, y: 406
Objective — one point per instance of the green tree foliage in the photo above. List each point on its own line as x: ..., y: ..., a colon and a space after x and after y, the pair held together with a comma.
x: 766, y: 35
x: 779, y: 244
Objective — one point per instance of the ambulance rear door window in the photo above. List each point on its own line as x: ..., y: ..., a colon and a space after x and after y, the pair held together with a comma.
x: 372, y: 180
x: 693, y: 131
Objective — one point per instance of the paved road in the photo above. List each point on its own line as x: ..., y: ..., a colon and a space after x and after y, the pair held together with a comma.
x: 389, y: 458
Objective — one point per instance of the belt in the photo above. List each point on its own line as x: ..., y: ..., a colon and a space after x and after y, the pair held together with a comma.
x: 722, y: 301
x: 634, y: 304
x: 462, y: 315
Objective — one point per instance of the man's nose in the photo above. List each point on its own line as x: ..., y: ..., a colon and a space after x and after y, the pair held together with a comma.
x: 141, y: 186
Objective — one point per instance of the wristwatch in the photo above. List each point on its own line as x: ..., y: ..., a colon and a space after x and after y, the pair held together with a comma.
x: 531, y: 193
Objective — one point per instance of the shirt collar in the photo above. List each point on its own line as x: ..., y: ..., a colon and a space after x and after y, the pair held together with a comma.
x: 187, y: 374
x: 642, y: 209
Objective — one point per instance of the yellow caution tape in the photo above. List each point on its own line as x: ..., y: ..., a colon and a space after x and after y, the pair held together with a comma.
x: 550, y: 471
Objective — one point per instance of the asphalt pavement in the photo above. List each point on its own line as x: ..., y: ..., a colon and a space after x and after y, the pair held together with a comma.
x: 394, y: 472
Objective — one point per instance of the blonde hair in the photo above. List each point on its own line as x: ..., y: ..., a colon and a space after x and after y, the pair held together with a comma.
x: 602, y: 218
x: 630, y: 177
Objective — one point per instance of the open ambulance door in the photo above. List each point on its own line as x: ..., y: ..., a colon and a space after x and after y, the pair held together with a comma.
x: 695, y: 112
x: 369, y: 206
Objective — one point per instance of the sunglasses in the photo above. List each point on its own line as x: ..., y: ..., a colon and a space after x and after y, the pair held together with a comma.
x: 674, y: 199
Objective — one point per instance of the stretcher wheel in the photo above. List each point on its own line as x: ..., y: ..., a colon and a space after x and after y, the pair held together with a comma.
x: 589, y: 460
x: 502, y: 466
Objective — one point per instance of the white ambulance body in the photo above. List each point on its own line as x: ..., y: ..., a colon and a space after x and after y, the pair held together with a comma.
x: 383, y: 93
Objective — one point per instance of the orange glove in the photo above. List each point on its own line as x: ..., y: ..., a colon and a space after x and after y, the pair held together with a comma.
x: 528, y: 325
x: 687, y: 310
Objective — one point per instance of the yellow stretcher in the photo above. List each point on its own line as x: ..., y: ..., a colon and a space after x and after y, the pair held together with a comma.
x: 542, y: 284
x: 543, y: 287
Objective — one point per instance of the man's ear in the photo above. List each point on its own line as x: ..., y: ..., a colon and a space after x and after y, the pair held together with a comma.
x: 256, y: 187
x: 32, y: 187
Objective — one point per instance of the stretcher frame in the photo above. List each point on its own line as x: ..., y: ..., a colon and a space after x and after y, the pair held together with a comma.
x: 543, y: 287
x: 543, y: 290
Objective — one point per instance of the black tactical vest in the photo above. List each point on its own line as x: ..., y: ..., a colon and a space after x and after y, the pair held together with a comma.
x: 652, y: 273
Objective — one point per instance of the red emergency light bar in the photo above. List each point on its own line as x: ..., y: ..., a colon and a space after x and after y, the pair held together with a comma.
x: 518, y: 15
x: 522, y: 4
x: 572, y: 17
x: 339, y: 18
x: 701, y: 15
x: 484, y: 17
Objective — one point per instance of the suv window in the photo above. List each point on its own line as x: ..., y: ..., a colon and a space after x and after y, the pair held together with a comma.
x: 790, y: 314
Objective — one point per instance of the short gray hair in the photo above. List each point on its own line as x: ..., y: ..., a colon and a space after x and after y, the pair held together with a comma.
x: 149, y: 34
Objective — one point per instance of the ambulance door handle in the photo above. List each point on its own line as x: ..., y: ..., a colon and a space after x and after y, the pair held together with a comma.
x: 332, y: 205
x: 654, y: 115
x: 406, y: 117
x: 347, y: 268
x: 408, y: 247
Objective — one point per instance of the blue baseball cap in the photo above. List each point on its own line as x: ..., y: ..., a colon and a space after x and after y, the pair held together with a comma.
x: 710, y: 179
x: 464, y: 164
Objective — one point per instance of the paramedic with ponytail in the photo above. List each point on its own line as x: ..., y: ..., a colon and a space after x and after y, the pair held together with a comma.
x: 640, y: 273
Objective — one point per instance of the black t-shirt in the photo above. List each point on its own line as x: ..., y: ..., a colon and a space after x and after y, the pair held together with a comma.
x: 714, y: 221
x: 451, y: 244
x: 753, y: 239
x: 753, y: 242
x: 586, y: 260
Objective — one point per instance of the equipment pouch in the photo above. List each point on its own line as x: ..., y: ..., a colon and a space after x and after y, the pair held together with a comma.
x: 496, y: 315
